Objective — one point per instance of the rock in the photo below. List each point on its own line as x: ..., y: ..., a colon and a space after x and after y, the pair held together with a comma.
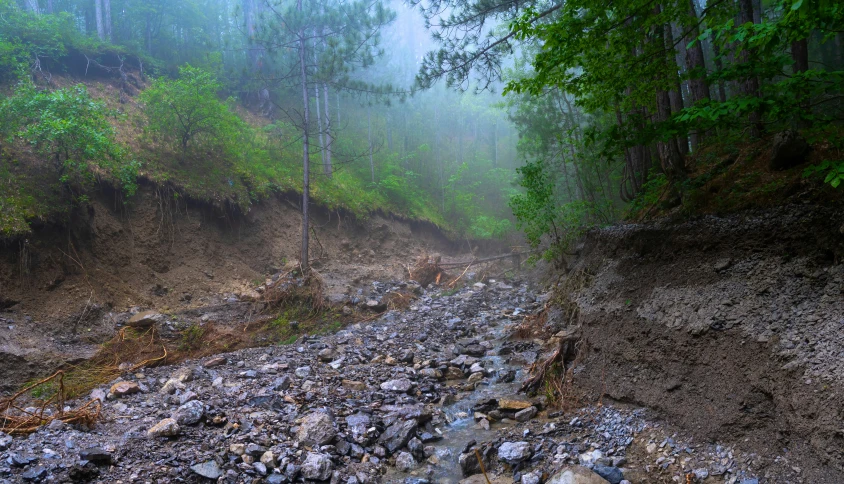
x: 432, y: 373
x: 326, y: 355
x: 35, y: 474
x: 97, y: 456
x: 526, y: 414
x: 612, y: 474
x: 469, y: 464
x: 481, y: 479
x: 268, y: 459
x: 357, y: 386
x: 123, y: 388
x: 171, y: 386
x: 475, y: 377
x: 454, y: 373
x: 375, y: 305
x: 576, y: 475
x: 303, y: 372
x: 190, y: 413
x: 166, y: 428
x: 144, y: 320
x: 5, y: 441
x: 316, y: 429
x: 397, y: 435
x: 21, y: 460
x: 358, y: 424
x: 405, y: 462
x: 402, y: 385
x: 514, y: 452
x: 83, y: 473
x: 317, y: 467
x: 789, y: 149
x: 508, y: 404
x: 532, y: 478
x: 208, y: 470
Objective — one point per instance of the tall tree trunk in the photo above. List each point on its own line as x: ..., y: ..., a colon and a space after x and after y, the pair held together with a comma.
x: 98, y: 14
x: 107, y: 20
x: 750, y: 86
x: 338, y: 108
x: 696, y: 67
x: 329, y: 141
x: 371, y: 160
x: 719, y: 66
x: 149, y: 33
x: 306, y: 162
x: 800, y: 55
x: 675, y: 95
x: 50, y: 6
x: 32, y: 6
x: 389, y: 132
x: 319, y: 126
x: 670, y: 155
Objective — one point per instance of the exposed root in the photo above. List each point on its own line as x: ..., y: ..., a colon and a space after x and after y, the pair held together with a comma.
x: 427, y: 270
x: 15, y: 419
x: 293, y: 289
x: 556, y: 374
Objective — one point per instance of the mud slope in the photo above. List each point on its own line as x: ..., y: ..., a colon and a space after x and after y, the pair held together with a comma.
x: 58, y: 288
x: 731, y: 328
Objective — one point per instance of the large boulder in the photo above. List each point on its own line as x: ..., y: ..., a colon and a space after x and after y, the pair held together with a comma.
x: 789, y: 150
x: 514, y: 452
x: 316, y: 429
x: 398, y: 435
x: 576, y: 475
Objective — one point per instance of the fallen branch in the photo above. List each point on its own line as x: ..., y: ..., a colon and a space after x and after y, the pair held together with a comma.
x: 566, y: 351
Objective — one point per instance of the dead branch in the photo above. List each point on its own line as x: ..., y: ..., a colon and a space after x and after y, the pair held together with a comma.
x: 566, y: 352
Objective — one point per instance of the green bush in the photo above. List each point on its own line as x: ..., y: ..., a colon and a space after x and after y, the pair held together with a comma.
x: 72, y: 131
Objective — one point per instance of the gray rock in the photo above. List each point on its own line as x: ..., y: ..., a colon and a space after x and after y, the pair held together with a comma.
x: 611, y: 474
x: 190, y: 413
x: 576, y: 475
x: 514, y: 452
x: 5, y: 441
x: 397, y: 435
x: 532, y: 478
x: 402, y: 385
x: 97, y: 456
x: 526, y: 414
x: 303, y: 372
x: 317, y: 428
x: 317, y: 467
x: 405, y: 462
x: 209, y: 470
x: 35, y: 474
x: 358, y: 424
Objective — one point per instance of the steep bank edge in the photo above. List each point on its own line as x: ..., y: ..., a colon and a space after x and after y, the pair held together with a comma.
x: 729, y: 328
x: 59, y: 286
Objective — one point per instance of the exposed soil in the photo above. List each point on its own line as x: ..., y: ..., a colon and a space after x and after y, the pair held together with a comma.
x: 62, y: 289
x: 728, y: 328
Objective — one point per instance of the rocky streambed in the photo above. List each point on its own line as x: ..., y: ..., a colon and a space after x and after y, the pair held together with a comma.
x: 424, y: 395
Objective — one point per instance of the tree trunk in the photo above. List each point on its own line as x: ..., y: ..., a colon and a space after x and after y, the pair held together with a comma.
x: 389, y: 133
x: 32, y: 6
x: 338, y: 108
x: 719, y: 66
x: 675, y: 95
x: 319, y: 126
x: 98, y: 15
x: 50, y: 6
x: 750, y: 85
x: 670, y: 155
x: 306, y: 162
x: 800, y: 55
x: 149, y: 33
x: 371, y: 161
x: 696, y: 67
x: 329, y: 141
x: 495, y: 144
x: 107, y: 19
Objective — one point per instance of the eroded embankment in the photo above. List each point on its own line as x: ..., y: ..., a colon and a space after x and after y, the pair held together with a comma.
x: 730, y: 328
x: 61, y: 288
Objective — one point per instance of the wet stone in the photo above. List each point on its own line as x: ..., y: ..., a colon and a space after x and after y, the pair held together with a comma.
x: 96, y: 455
x: 209, y: 470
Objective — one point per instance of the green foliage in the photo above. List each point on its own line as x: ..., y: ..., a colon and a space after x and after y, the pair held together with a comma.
x: 832, y: 171
x: 72, y: 130
x: 544, y: 220
x: 187, y: 114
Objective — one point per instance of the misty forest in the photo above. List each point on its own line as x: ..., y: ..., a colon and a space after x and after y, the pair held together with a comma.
x: 474, y: 241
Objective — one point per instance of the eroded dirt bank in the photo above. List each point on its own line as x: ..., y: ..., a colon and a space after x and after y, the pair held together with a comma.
x: 61, y: 288
x: 729, y: 328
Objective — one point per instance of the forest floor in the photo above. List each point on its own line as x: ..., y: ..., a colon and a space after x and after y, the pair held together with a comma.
x: 708, y: 351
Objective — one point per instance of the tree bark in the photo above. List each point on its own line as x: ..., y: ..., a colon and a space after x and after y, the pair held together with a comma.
x: 675, y: 95
x: 306, y: 162
x: 800, y: 55
x: 98, y: 15
x: 319, y: 126
x: 32, y: 6
x: 696, y: 67
x: 750, y: 86
x: 371, y: 160
x: 329, y: 141
x: 670, y: 155
x: 107, y: 19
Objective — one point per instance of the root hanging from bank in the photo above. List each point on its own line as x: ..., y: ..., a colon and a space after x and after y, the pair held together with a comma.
x: 20, y: 416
